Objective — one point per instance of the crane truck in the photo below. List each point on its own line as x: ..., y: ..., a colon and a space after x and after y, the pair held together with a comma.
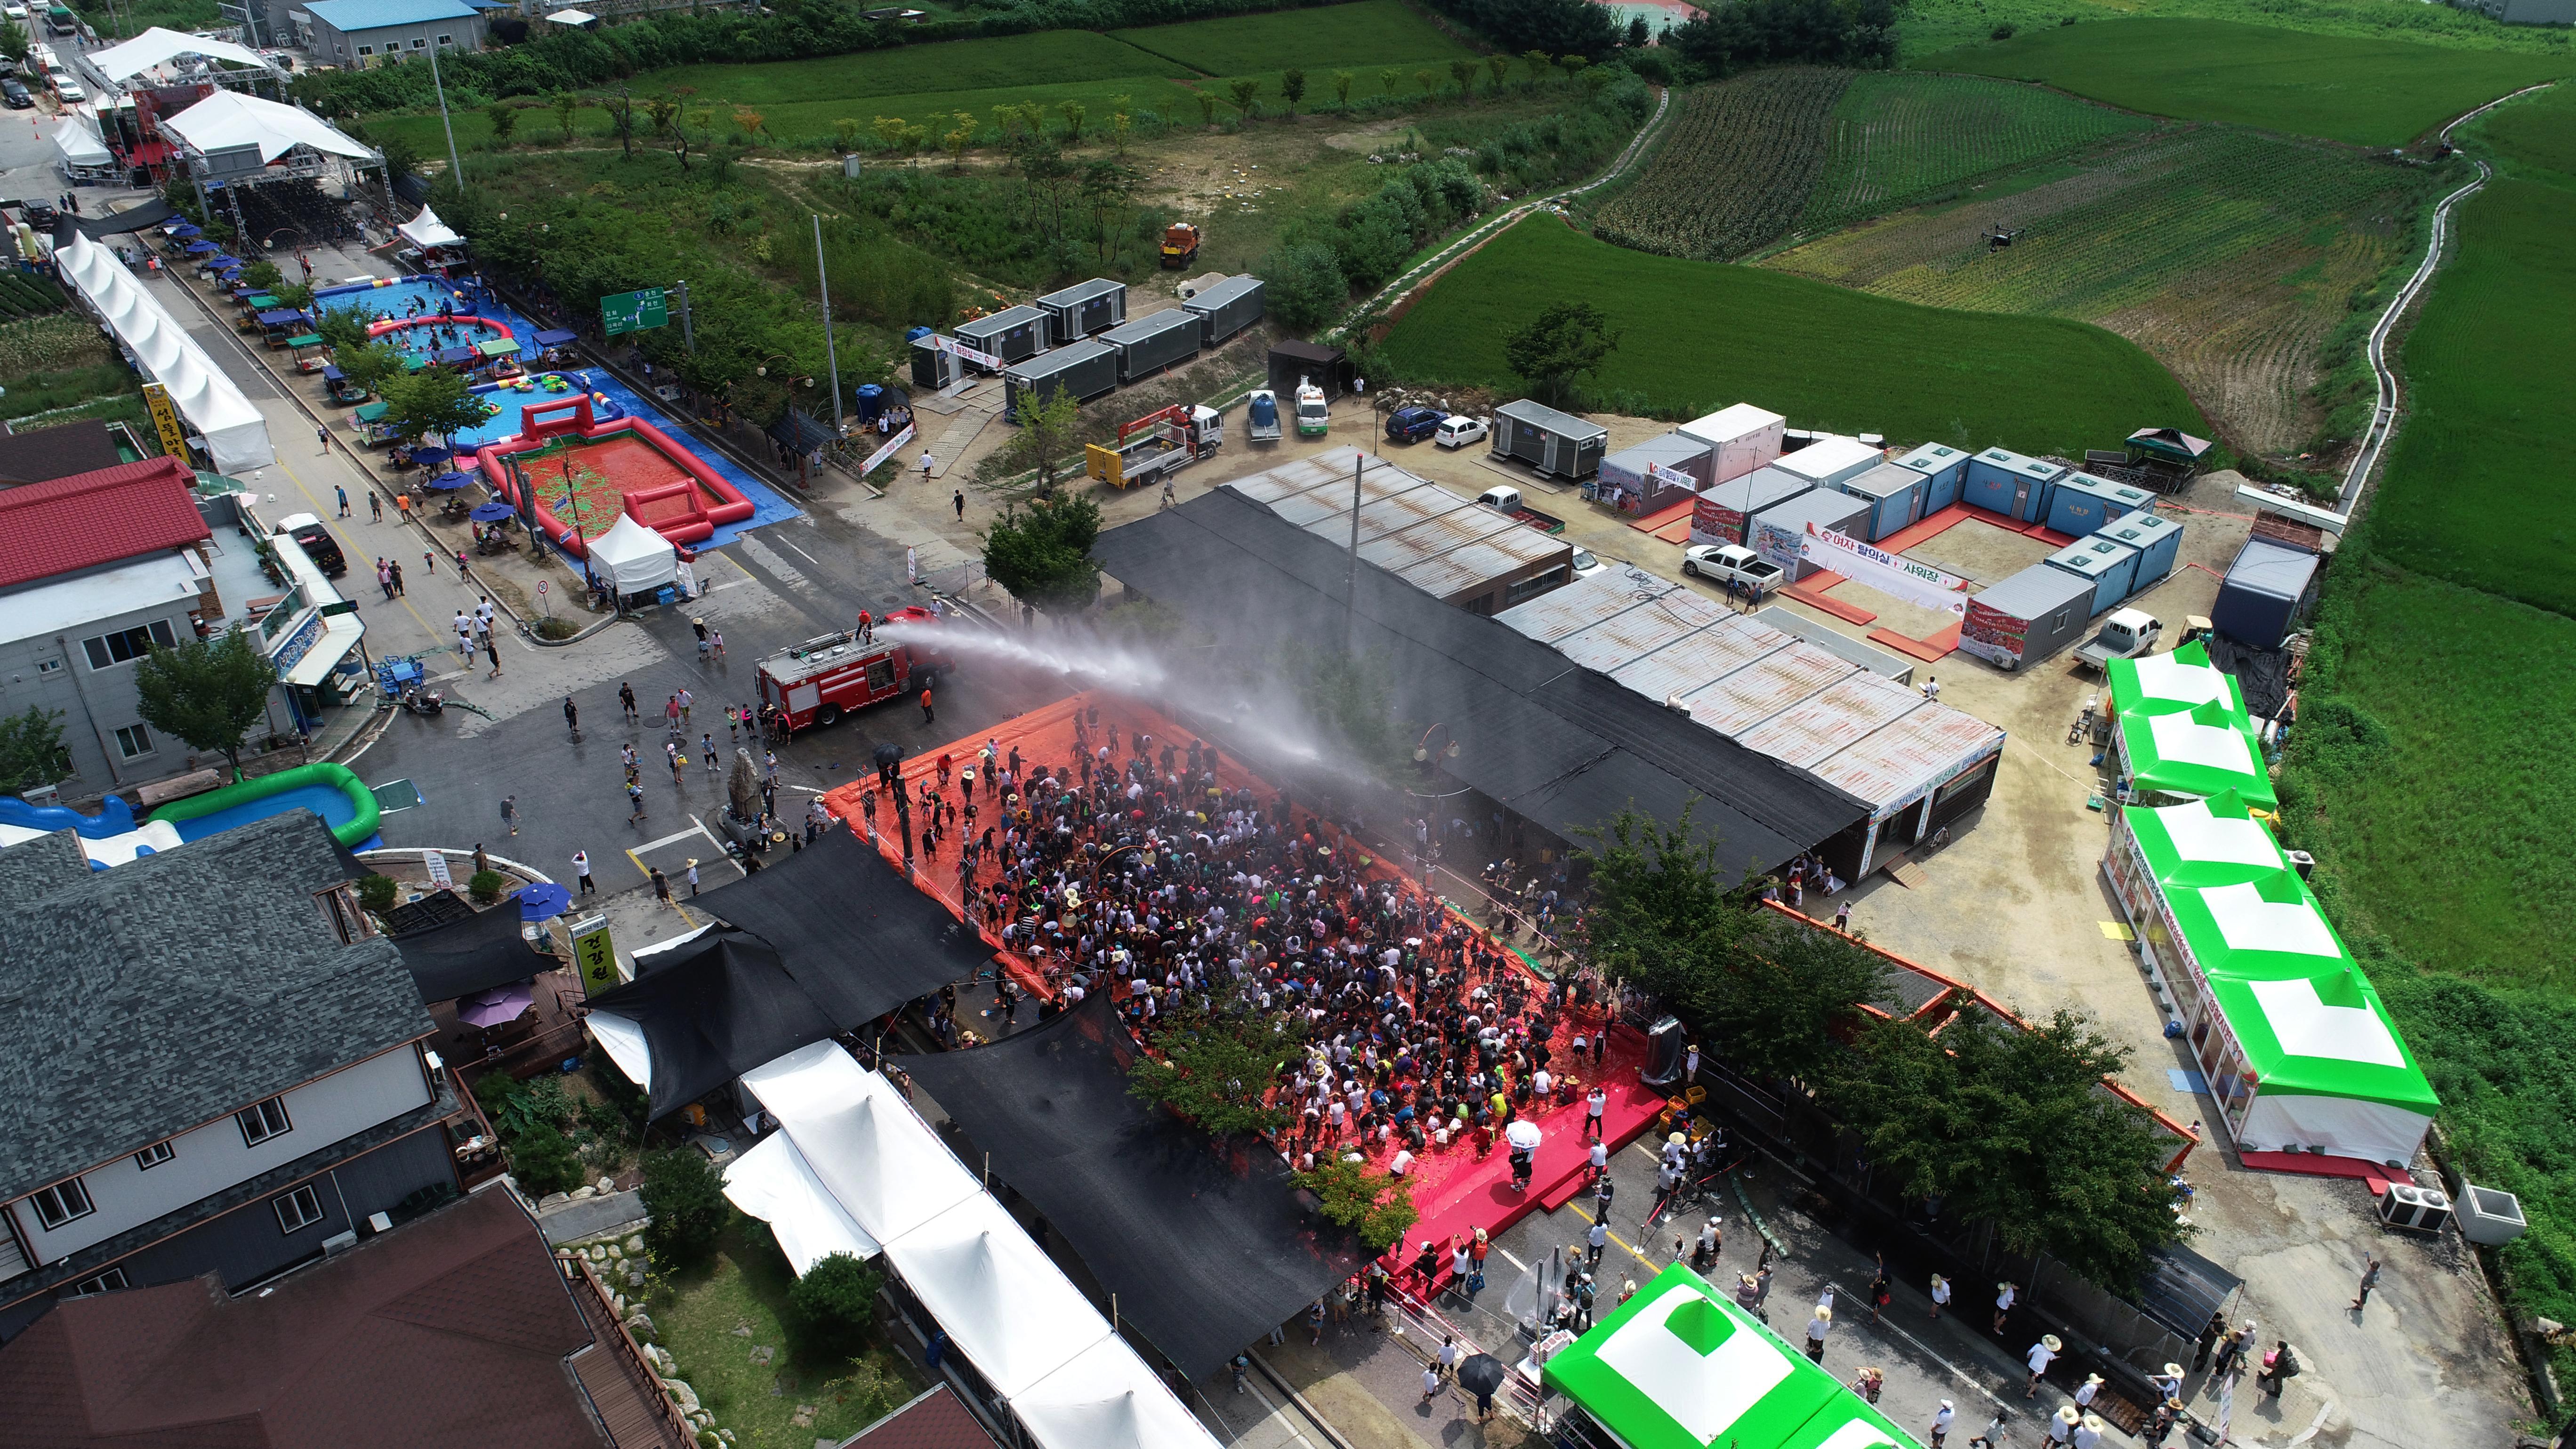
x: 1155, y: 446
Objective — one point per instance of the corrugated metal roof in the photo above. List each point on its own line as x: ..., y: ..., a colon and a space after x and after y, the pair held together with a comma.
x: 1081, y: 292
x: 1585, y: 602
x: 1632, y: 635
x: 1823, y: 507
x: 1269, y: 486
x: 1145, y: 329
x: 2035, y: 591
x: 1775, y: 682
x: 1832, y: 719
x: 1048, y: 364
x: 1673, y: 450
x: 1702, y: 659
x: 1433, y: 537
x: 1906, y: 757
x: 1402, y: 511
x: 1525, y: 545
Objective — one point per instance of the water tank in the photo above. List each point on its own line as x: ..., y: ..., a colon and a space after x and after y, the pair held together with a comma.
x: 871, y: 400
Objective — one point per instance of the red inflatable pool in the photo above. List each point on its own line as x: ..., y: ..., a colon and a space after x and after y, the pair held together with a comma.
x: 621, y: 465
x: 496, y: 330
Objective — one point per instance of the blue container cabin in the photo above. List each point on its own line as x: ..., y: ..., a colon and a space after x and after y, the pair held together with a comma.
x: 1945, y: 474
x: 2157, y: 539
x: 2012, y: 485
x: 2110, y: 564
x: 2081, y: 504
x: 1894, y: 495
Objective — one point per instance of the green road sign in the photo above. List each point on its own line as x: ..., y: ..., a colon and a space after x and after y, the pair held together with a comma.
x: 634, y: 311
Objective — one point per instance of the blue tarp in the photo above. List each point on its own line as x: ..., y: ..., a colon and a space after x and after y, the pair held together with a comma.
x: 458, y: 356
x: 281, y: 318
x: 555, y: 338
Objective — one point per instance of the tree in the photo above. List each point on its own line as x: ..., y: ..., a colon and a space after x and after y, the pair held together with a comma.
x: 542, y: 1161
x: 504, y: 119
x: 298, y: 296
x: 1499, y: 65
x: 621, y: 121
x: 13, y: 41
x: 1540, y: 63
x: 663, y: 113
x: 1214, y: 1065
x: 369, y: 364
x: 832, y: 1308
x: 433, y: 400
x: 1376, y: 1205
x: 566, y: 105
x: 1207, y: 107
x: 1244, y: 94
x: 1303, y: 284
x: 1639, y: 34
x: 1572, y: 65
x: 1042, y: 552
x: 31, y: 750
x: 1342, y: 86
x: 208, y: 692
x: 1388, y: 80
x: 262, y: 276
x: 958, y: 140
x: 1463, y: 71
x: 1564, y: 342
x: 1122, y: 121
x: 1074, y: 113
x: 845, y: 135
x: 343, y: 328
x: 684, y: 1195
x: 1108, y: 189
x: 748, y: 121
x: 1428, y: 79
x: 1292, y: 87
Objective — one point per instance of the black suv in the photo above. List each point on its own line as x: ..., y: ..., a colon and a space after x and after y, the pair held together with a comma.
x: 15, y: 96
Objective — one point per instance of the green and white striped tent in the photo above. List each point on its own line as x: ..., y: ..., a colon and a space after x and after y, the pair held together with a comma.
x: 1679, y: 1367
x: 2296, y: 1045
x: 2192, y: 754
x: 2162, y: 683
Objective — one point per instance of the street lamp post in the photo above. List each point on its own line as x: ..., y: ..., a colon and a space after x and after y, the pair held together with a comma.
x: 455, y: 167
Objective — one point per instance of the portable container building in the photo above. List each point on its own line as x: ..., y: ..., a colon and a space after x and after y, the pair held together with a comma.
x: 2267, y: 590
x: 2157, y: 539
x: 1776, y: 532
x: 2110, y: 564
x: 1626, y: 483
x: 1723, y: 513
x: 1944, y: 470
x: 1830, y: 460
x: 933, y: 369
x: 2027, y: 617
x: 1550, y: 441
x: 1740, y: 439
x: 1149, y: 344
x: 1014, y: 334
x: 1086, y: 369
x: 1226, y: 309
x: 1895, y: 497
x: 1293, y: 362
x: 1082, y: 309
x: 2081, y: 503
x: 2011, y: 484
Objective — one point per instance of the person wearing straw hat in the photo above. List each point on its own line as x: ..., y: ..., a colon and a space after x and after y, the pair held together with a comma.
x: 2088, y: 1433
x: 1748, y: 1294
x: 693, y: 875
x: 2085, y: 1391
x: 2061, y: 1429
x: 1817, y: 1328
x: 1940, y: 1294
x: 2005, y: 1292
x: 2168, y: 1414
x: 2169, y: 1383
x: 2041, y: 1355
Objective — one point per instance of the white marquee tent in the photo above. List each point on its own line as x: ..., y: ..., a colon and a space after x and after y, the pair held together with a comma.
x: 157, y: 47
x: 853, y: 1164
x: 78, y: 139
x: 427, y: 231
x: 229, y: 118
x: 235, y: 432
x: 634, y: 558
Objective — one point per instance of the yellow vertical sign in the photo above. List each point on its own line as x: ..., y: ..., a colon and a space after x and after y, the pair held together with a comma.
x: 166, y: 419
x: 594, y: 955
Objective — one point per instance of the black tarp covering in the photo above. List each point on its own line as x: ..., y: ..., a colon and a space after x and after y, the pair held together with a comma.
x: 712, y: 1009
x: 474, y: 954
x: 1206, y: 1254
x: 117, y: 223
x: 852, y: 931
x: 2264, y: 674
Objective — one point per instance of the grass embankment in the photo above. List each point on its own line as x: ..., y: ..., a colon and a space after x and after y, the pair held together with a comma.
x: 1700, y: 335
x: 2368, y: 92
x: 721, y: 1325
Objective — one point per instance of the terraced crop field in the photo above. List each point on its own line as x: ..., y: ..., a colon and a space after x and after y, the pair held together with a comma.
x: 2229, y: 254
x: 1736, y: 171
x: 1362, y: 37
x: 1901, y: 139
x: 1699, y: 335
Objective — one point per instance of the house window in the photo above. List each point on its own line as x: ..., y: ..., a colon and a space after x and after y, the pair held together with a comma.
x: 447, y: 40
x: 106, y: 1282
x: 154, y: 1155
x: 366, y: 50
x: 298, y: 1210
x: 48, y: 666
x: 419, y: 44
x: 62, y: 1202
x: 134, y: 740
x: 266, y: 1120
x: 340, y: 908
x: 127, y: 644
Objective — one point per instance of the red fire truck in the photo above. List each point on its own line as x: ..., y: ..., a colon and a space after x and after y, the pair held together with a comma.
x: 816, y: 682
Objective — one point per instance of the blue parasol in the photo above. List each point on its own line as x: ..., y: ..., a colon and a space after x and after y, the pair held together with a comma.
x: 430, y: 457
x: 202, y: 248
x: 450, y: 482
x: 543, y: 899
x: 187, y: 229
x: 492, y: 512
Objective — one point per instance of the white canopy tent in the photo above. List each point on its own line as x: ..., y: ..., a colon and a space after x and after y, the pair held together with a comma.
x: 158, y: 47
x: 229, y: 118
x: 859, y: 1166
x: 634, y: 558
x: 78, y: 139
x: 426, y: 231
x: 235, y: 432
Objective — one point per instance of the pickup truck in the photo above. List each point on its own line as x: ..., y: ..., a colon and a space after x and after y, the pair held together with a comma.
x: 1731, y: 563
x: 2127, y: 634
x: 1507, y: 500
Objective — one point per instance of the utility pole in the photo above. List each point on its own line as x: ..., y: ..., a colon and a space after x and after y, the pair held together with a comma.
x: 688, y: 334
x: 831, y: 350
x: 455, y: 167
x: 1351, y: 585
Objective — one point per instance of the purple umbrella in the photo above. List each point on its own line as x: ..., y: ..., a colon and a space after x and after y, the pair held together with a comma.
x: 494, y: 1007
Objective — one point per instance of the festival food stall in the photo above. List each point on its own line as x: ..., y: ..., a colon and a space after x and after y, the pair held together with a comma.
x: 2297, y: 1048
x: 2180, y: 731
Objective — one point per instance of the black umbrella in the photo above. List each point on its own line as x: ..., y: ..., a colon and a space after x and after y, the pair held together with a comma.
x: 1482, y: 1375
x: 889, y: 754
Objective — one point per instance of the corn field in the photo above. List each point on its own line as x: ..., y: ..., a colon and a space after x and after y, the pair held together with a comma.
x: 46, y: 344
x: 1737, y: 169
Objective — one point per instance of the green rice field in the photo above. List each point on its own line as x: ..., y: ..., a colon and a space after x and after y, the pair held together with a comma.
x: 1363, y: 38
x: 1899, y: 139
x: 1700, y: 335
x: 2535, y: 136
x: 2369, y: 92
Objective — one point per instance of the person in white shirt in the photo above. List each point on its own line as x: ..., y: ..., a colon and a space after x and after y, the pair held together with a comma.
x: 1941, y: 1422
x: 2005, y: 1292
x: 2041, y: 1355
x: 1940, y: 1294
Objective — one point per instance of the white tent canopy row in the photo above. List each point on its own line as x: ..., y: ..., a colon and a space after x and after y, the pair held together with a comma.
x: 426, y: 231
x: 854, y: 1168
x: 229, y: 118
x: 236, y: 433
x: 78, y: 139
x: 157, y: 47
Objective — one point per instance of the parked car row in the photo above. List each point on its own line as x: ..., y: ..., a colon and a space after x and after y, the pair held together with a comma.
x: 1449, y: 430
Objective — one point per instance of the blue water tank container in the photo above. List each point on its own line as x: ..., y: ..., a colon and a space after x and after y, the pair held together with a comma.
x: 871, y: 398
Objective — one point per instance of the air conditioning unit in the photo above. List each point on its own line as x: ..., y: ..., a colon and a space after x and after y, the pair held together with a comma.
x: 339, y: 1243
x: 2423, y: 1209
x: 2437, y: 1210
x: 43, y: 795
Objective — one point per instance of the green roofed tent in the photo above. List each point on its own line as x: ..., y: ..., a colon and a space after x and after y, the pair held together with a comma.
x: 2183, y: 679
x: 498, y: 347
x: 2195, y: 753
x: 308, y: 339
x: 264, y: 302
x: 373, y: 412
x: 1679, y: 1367
x: 2297, y: 1048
